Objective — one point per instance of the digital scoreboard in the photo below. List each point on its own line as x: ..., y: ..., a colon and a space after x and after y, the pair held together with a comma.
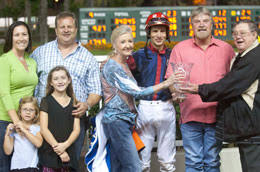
x: 96, y: 24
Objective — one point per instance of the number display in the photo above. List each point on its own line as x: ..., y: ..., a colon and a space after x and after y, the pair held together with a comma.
x: 96, y: 25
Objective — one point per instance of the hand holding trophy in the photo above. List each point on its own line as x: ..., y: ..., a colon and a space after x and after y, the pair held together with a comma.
x: 184, y: 68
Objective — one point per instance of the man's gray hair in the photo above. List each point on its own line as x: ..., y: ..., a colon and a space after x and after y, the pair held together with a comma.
x: 200, y: 10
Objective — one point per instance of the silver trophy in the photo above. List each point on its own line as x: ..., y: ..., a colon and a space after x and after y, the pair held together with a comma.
x: 184, y: 68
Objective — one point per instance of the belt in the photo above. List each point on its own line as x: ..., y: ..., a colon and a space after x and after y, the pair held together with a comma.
x: 154, y: 102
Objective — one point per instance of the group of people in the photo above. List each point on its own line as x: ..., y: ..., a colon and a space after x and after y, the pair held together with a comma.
x: 221, y: 102
x: 64, y: 77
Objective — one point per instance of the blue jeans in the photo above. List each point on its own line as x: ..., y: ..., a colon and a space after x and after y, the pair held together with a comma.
x: 201, y: 147
x: 80, y: 140
x: 5, y: 160
x: 123, y: 153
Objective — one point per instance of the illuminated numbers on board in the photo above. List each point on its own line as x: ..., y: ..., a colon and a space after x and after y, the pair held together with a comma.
x: 190, y: 28
x: 97, y: 41
x: 220, y: 23
x: 91, y: 14
x: 170, y: 13
x: 128, y: 21
x: 172, y: 16
x: 242, y: 14
x: 99, y: 28
x: 97, y: 25
x: 125, y: 21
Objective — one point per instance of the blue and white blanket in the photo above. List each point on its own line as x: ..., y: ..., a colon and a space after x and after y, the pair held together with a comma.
x: 98, y: 157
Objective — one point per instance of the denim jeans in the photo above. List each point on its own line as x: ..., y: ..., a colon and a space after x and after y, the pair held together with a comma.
x: 123, y: 153
x: 80, y: 140
x: 5, y: 160
x: 201, y: 147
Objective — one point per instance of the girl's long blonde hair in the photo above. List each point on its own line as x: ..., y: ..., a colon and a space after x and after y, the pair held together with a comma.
x: 50, y: 89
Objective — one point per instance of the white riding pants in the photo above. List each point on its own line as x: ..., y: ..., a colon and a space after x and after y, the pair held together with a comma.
x: 157, y: 118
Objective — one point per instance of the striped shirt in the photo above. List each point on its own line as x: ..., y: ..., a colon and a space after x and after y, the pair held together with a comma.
x: 80, y: 63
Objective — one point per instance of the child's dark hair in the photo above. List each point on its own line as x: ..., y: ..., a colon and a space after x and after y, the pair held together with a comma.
x: 33, y: 100
x: 50, y: 89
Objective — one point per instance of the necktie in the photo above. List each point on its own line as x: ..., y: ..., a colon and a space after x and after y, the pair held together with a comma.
x: 238, y: 57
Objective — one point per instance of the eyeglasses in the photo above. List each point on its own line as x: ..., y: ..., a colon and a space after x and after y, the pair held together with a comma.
x: 242, y: 34
x: 28, y: 110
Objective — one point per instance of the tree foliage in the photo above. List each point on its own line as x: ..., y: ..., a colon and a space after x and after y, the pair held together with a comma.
x: 13, y: 9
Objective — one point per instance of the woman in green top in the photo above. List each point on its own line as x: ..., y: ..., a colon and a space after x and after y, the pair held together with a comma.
x: 18, y: 78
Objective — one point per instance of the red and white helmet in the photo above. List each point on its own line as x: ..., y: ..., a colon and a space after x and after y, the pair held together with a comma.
x: 156, y: 19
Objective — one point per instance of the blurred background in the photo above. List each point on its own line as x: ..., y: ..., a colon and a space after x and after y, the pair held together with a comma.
x: 40, y: 14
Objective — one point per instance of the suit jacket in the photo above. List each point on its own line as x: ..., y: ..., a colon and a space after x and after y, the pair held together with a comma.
x: 238, y: 94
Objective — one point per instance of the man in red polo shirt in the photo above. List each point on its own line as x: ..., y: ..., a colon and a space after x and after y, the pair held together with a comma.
x: 211, y: 60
